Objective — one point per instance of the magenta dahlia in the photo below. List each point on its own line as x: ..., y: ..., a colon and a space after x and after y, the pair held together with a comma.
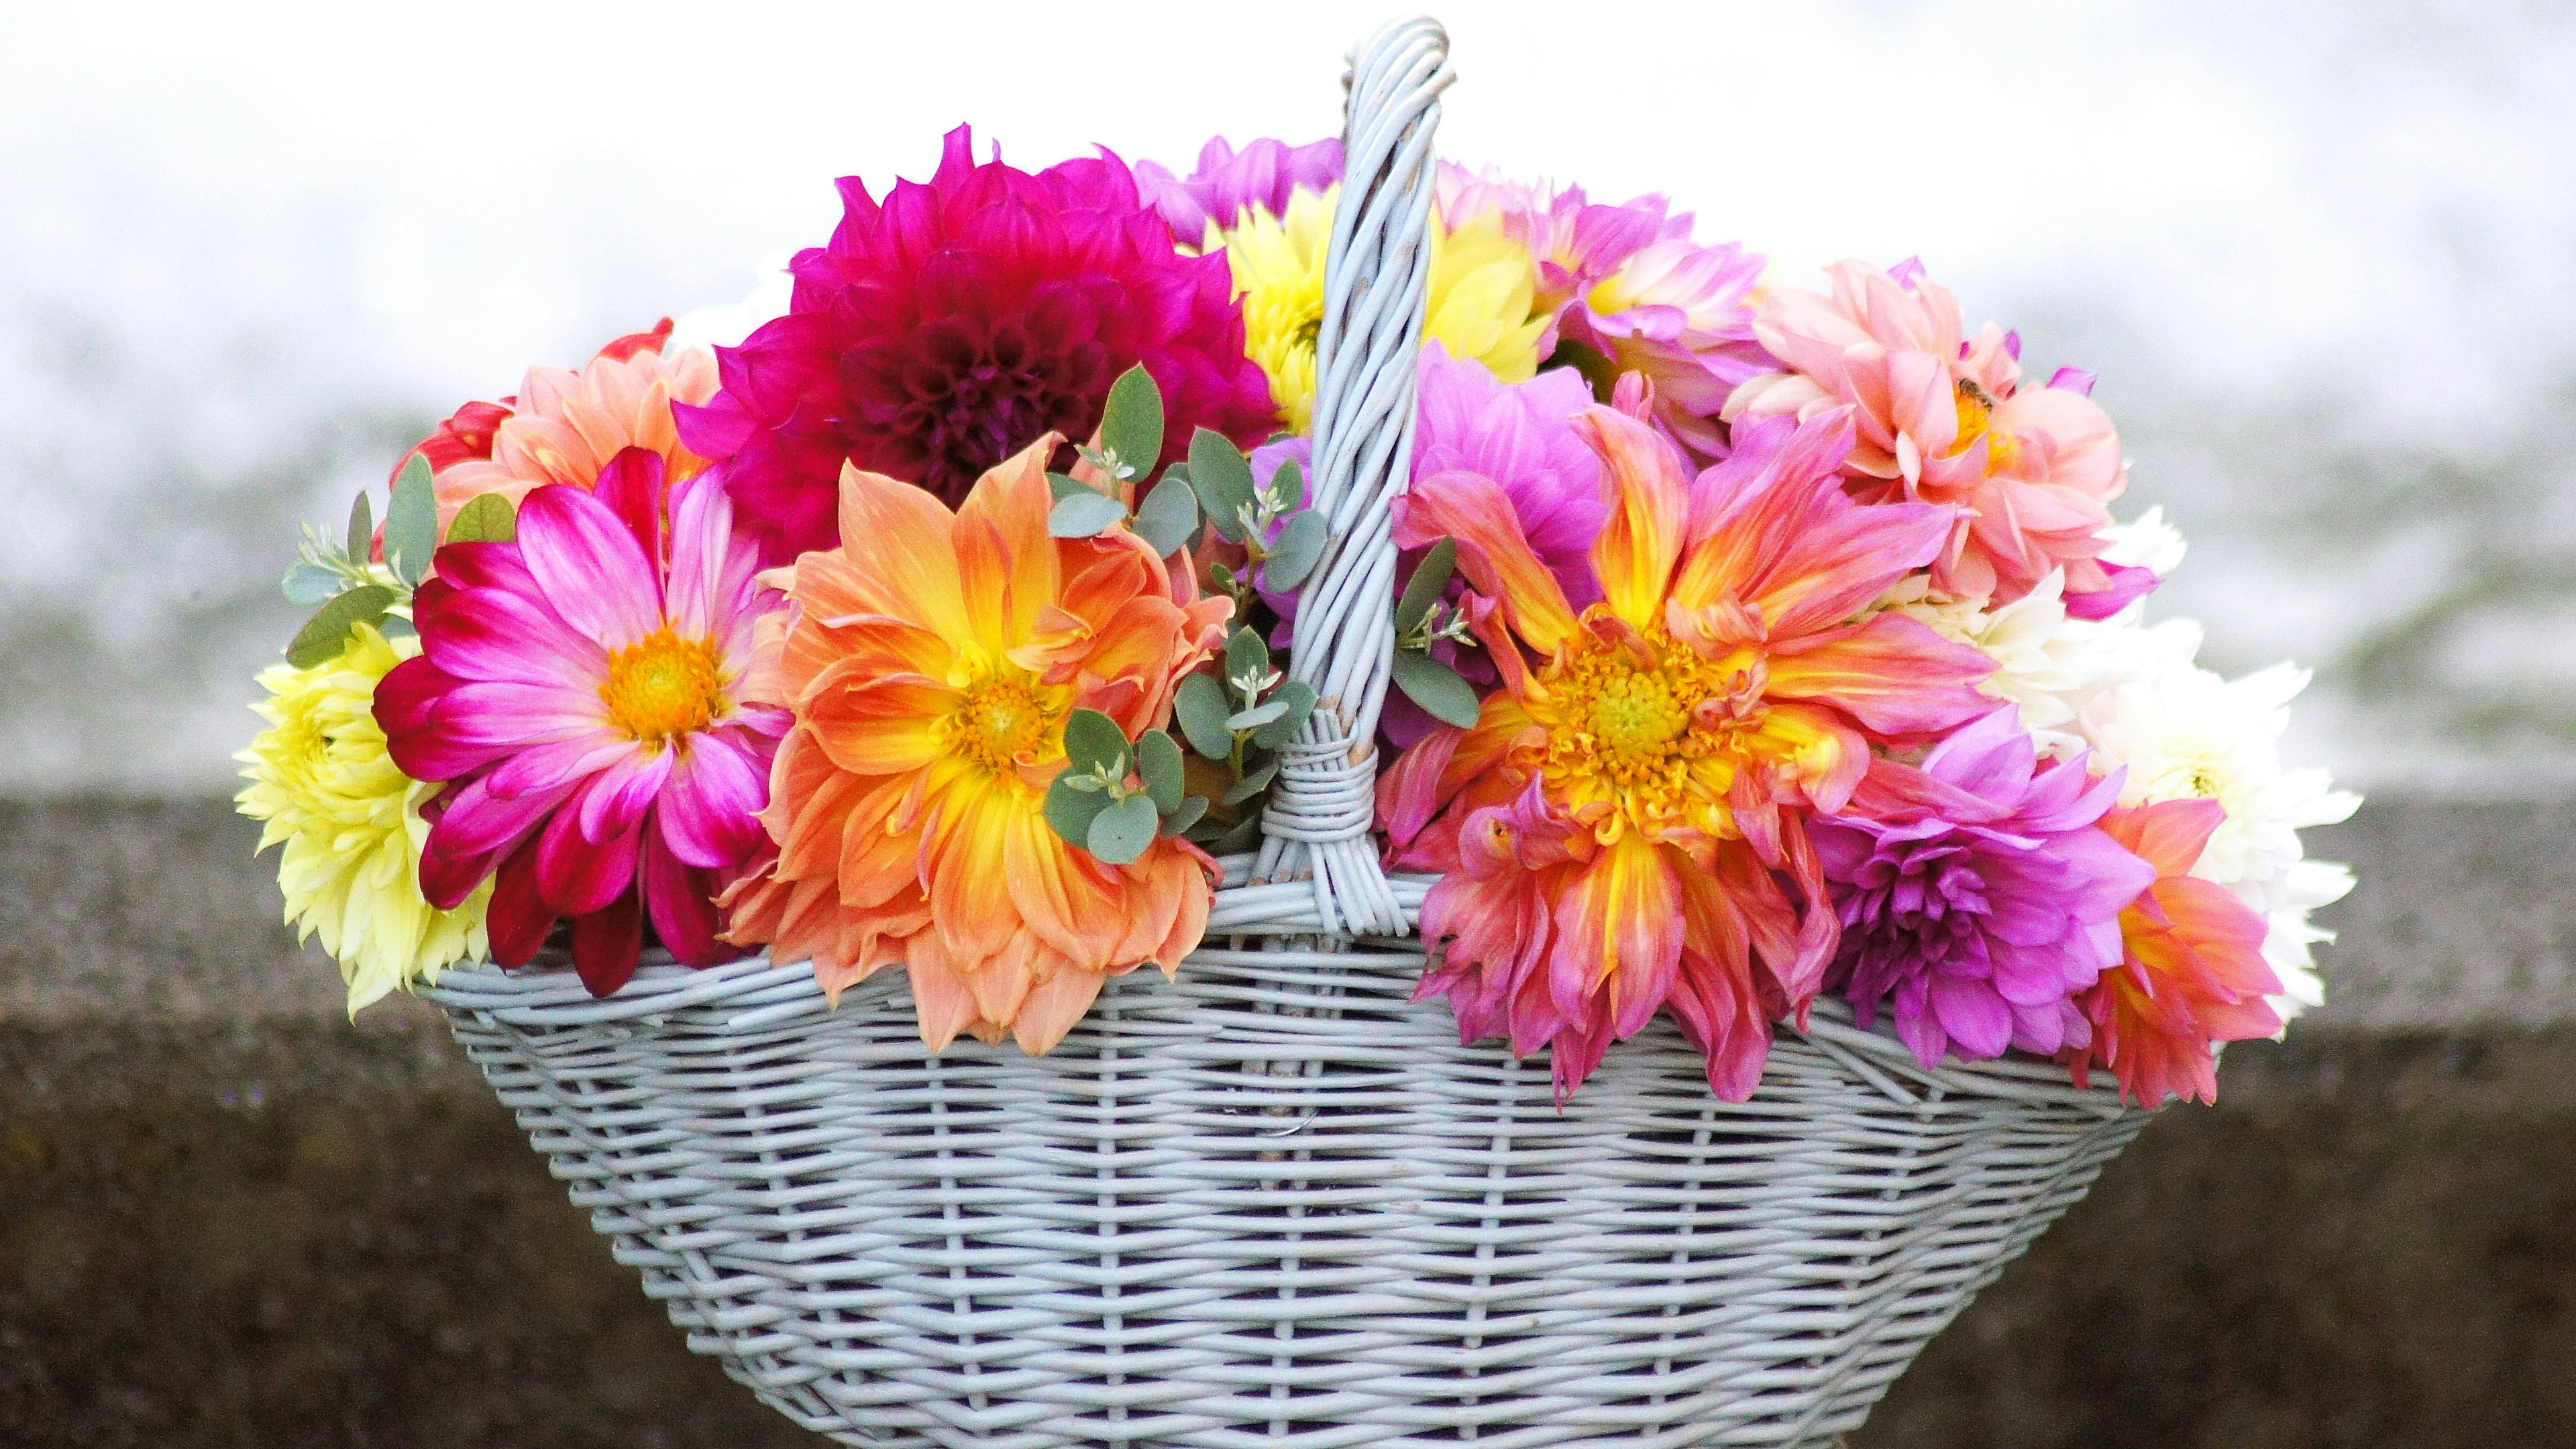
x: 956, y: 322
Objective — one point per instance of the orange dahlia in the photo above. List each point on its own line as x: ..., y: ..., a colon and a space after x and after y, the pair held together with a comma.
x: 931, y: 661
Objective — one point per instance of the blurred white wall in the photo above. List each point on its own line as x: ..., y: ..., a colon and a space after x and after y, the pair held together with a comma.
x: 2324, y: 257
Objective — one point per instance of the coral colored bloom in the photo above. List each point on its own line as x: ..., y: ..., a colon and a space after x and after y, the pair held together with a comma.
x: 1618, y: 825
x: 322, y: 785
x: 931, y: 662
x: 569, y: 424
x: 2193, y: 972
x: 587, y: 686
x: 1264, y: 174
x: 946, y: 328
x: 1976, y: 894
x: 1480, y: 303
x: 1943, y: 418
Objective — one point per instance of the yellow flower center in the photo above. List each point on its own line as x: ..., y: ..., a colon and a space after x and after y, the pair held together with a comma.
x: 1008, y: 719
x: 1645, y: 733
x: 1976, y: 420
x: 663, y: 685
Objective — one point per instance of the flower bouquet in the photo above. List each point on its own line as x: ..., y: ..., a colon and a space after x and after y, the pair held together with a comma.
x: 1670, y: 849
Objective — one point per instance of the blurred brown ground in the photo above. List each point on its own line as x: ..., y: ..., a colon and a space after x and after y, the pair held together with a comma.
x: 227, y: 1218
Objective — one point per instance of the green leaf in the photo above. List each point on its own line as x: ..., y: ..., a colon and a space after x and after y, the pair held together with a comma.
x: 1200, y: 709
x: 1185, y: 817
x: 1246, y: 835
x: 1168, y: 516
x: 1085, y: 515
x: 309, y: 584
x: 1065, y: 485
x: 1158, y: 763
x: 1132, y: 424
x: 326, y: 634
x: 1430, y: 580
x: 1095, y: 744
x: 1252, y: 784
x: 395, y: 626
x: 411, y: 522
x: 1300, y: 543
x: 1436, y: 687
x: 488, y: 518
x: 1120, y: 833
x: 1245, y: 653
x: 1299, y: 698
x: 1257, y: 716
x: 1070, y: 811
x: 1287, y: 486
x: 1223, y: 478
x: 362, y: 529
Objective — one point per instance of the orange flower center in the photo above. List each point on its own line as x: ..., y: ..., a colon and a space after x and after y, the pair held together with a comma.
x: 663, y: 685
x: 1976, y: 420
x: 1643, y: 729
x: 1008, y: 719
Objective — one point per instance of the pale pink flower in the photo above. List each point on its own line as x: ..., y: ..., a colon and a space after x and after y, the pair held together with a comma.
x: 1944, y: 418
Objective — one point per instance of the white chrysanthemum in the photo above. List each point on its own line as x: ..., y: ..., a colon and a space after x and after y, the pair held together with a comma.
x: 2047, y: 664
x: 2145, y: 540
x: 2183, y: 732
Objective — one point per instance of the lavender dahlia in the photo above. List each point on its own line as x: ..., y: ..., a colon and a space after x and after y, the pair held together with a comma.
x: 1978, y: 894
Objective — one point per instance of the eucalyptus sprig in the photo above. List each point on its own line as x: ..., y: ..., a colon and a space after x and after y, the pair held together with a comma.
x: 1422, y: 619
x: 1240, y: 718
x: 341, y: 576
x: 1114, y: 800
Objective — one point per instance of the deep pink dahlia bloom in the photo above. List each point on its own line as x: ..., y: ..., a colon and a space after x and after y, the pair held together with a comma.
x: 1978, y: 894
x: 586, y: 686
x: 958, y: 321
x: 1264, y: 174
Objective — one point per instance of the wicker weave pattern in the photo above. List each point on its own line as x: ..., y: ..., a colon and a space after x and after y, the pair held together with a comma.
x: 1277, y: 1203
x: 1159, y: 1236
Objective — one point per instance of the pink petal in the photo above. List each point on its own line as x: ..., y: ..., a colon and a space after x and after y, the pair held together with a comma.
x: 499, y: 634
x: 620, y: 794
x: 681, y: 902
x: 578, y: 877
x: 606, y: 944
x: 592, y: 571
x: 711, y: 808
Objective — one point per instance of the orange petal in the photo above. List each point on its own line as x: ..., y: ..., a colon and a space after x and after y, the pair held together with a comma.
x: 1619, y: 929
x: 941, y: 1000
x: 878, y: 725
x: 1649, y: 506
x: 895, y: 538
x: 1492, y: 551
x: 1011, y: 501
x: 1054, y: 1006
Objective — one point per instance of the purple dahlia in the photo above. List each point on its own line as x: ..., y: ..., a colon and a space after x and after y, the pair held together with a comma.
x: 1978, y: 894
x: 956, y: 322
x: 1264, y: 174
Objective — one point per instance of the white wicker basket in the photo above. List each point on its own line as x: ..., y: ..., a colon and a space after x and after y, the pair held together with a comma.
x: 1278, y: 1203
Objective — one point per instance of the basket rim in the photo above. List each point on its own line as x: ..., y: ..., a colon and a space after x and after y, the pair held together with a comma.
x: 760, y: 995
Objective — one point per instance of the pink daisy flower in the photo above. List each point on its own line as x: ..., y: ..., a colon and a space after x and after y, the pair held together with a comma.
x: 589, y: 689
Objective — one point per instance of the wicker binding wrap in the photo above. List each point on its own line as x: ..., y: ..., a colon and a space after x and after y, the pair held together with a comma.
x: 1278, y: 1203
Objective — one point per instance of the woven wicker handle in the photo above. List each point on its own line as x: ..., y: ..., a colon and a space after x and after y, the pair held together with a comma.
x: 1376, y: 279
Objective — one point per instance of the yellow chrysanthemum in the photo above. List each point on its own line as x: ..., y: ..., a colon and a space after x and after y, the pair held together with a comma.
x: 1484, y: 288
x: 323, y: 785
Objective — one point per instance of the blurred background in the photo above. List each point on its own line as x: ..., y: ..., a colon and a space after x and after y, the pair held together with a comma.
x: 2319, y: 254
x: 2322, y: 256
